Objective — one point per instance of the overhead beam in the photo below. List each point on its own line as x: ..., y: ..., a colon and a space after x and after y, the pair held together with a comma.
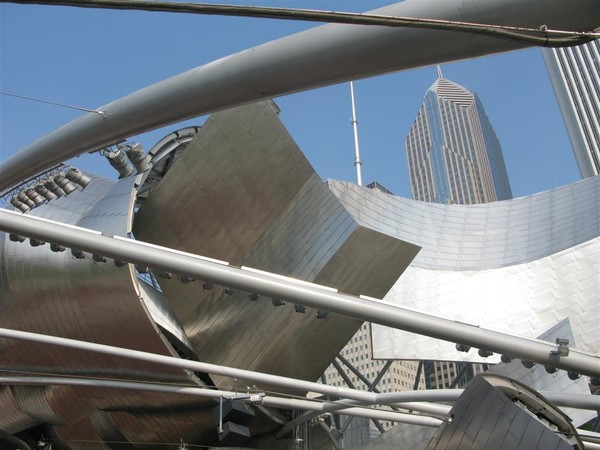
x: 534, y: 36
x: 266, y: 400
x: 562, y: 399
x: 359, y: 397
x: 300, y: 292
x: 318, y: 57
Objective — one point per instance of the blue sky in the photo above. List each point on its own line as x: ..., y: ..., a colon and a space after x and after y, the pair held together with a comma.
x: 89, y: 57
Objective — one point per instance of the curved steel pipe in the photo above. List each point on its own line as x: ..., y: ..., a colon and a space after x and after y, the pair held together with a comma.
x: 230, y: 372
x: 267, y: 400
x: 405, y: 399
x: 306, y: 294
x: 536, y: 36
x: 318, y: 57
x: 283, y: 403
x: 417, y: 398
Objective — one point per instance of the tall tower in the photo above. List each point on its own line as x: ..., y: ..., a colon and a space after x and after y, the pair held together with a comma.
x: 453, y: 153
x: 575, y: 76
x: 455, y: 157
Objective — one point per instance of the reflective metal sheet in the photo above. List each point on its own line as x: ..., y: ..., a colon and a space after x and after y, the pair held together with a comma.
x: 495, y: 412
x: 243, y: 192
x: 483, y: 236
x: 56, y: 293
x: 540, y: 380
x: 524, y: 299
x: 519, y: 265
x: 248, y: 196
x: 13, y: 417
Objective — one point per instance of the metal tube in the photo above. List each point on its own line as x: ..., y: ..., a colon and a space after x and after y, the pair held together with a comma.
x: 303, y: 293
x: 424, y: 407
x: 361, y: 377
x: 404, y: 399
x: 224, y: 371
x: 221, y: 414
x: 561, y: 399
x: 357, y: 161
x: 577, y: 401
x: 318, y: 57
x: 539, y: 36
x: 276, y: 402
x: 333, y: 408
x: 361, y: 412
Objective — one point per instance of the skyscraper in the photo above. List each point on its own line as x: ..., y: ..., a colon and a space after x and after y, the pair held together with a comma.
x: 454, y: 157
x: 453, y: 153
x: 575, y: 76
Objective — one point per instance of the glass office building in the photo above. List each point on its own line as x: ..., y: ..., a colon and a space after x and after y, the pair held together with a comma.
x: 452, y: 150
x: 454, y: 157
x: 575, y: 76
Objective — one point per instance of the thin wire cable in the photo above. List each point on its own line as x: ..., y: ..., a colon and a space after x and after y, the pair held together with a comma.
x: 39, y: 100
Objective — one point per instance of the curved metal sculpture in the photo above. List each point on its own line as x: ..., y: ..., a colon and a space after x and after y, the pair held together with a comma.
x: 322, y: 56
x: 272, y: 213
x: 256, y: 203
x: 506, y: 265
x: 258, y: 189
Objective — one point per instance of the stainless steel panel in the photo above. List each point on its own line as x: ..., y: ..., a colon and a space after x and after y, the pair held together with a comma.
x: 538, y: 379
x: 519, y: 265
x: 57, y: 294
x: 81, y: 435
x: 161, y: 312
x: 34, y: 401
x: 243, y: 192
x: 281, y: 287
x: 486, y: 416
x: 502, y: 233
x: 13, y: 417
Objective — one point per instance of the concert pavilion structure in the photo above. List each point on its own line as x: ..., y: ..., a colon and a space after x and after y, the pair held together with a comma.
x: 196, y: 299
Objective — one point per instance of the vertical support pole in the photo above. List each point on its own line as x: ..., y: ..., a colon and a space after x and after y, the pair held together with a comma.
x: 357, y: 161
x: 220, y: 415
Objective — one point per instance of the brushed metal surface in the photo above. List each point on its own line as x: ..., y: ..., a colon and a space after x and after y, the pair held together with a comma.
x: 281, y: 287
x: 243, y: 192
x: 55, y: 293
x: 538, y: 379
x: 518, y: 266
x: 486, y: 416
x: 13, y: 417
x: 484, y: 236
x: 240, y: 191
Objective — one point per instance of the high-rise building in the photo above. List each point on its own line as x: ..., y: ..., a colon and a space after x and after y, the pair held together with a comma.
x: 453, y: 153
x: 575, y: 76
x: 454, y: 157
x: 388, y: 375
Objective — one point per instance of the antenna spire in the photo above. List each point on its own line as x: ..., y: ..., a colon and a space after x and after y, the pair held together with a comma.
x: 439, y: 71
x: 357, y: 162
